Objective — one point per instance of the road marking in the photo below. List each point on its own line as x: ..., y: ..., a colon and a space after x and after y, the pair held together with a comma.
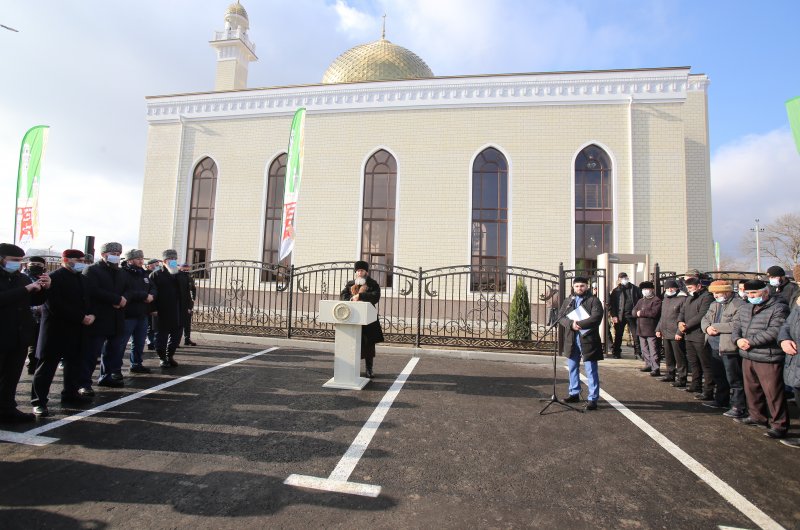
x: 29, y: 437
x: 25, y: 438
x: 735, y: 498
x: 337, y: 481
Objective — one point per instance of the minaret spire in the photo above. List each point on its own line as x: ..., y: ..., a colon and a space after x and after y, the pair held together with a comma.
x: 383, y: 32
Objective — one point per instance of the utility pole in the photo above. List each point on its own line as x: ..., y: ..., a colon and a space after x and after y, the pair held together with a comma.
x: 71, y: 238
x: 758, y: 231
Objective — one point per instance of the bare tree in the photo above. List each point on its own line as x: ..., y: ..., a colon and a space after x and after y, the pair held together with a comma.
x: 780, y: 242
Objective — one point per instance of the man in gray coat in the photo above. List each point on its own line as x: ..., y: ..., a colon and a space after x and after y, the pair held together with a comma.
x: 697, y: 351
x: 667, y: 330
x: 755, y: 333
x: 788, y: 338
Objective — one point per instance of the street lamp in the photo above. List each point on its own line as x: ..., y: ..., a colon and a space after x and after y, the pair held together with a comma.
x: 758, y: 230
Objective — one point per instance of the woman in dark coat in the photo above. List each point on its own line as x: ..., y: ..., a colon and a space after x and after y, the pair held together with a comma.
x: 364, y: 289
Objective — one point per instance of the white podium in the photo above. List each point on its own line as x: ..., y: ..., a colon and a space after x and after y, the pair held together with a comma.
x: 348, y: 318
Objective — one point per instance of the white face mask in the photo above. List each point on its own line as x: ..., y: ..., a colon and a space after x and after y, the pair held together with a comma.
x: 361, y: 281
x: 113, y: 259
x: 624, y: 281
x: 647, y: 293
x: 720, y: 299
x: 671, y: 292
x: 774, y: 282
x: 742, y: 294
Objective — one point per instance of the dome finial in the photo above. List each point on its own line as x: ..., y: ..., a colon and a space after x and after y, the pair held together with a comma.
x: 383, y: 32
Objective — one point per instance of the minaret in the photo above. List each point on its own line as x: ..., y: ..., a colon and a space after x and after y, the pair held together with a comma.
x: 234, y: 49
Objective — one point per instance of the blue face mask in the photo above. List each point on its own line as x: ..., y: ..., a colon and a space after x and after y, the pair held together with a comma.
x: 720, y: 299
x: 12, y: 266
x: 756, y: 301
x: 78, y: 267
x: 113, y: 259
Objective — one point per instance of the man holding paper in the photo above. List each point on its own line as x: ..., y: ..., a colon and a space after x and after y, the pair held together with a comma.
x: 583, y: 313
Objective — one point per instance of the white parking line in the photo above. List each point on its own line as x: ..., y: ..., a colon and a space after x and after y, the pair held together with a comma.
x: 337, y: 481
x: 32, y: 437
x: 735, y: 498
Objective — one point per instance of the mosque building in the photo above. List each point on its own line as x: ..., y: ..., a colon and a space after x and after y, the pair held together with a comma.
x: 408, y: 168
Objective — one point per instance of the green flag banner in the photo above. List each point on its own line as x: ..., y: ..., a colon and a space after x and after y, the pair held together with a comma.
x: 291, y: 186
x: 26, y: 222
x: 793, y: 109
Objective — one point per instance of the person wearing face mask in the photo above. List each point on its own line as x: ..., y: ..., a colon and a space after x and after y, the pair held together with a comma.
x: 667, y: 330
x: 151, y: 267
x: 741, y: 293
x: 65, y: 319
x: 172, y: 303
x: 726, y: 365
x: 788, y: 338
x: 623, y: 298
x: 17, y: 295
x: 697, y: 351
x: 105, y: 286
x: 139, y: 293
x: 363, y: 288
x: 36, y: 267
x: 647, y: 312
x: 755, y: 332
x: 780, y: 286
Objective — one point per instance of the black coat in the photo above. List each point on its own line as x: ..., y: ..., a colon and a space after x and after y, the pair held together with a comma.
x: 761, y: 326
x: 694, y: 309
x: 173, y: 300
x: 591, y: 347
x: 787, y: 291
x: 623, y: 299
x: 62, y: 316
x: 671, y: 314
x: 372, y: 331
x: 16, y: 320
x: 137, y: 288
x: 105, y: 286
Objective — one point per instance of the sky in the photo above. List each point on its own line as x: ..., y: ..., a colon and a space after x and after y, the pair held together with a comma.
x: 84, y: 67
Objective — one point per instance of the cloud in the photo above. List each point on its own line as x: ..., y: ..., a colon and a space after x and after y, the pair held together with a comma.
x: 353, y: 22
x: 756, y: 176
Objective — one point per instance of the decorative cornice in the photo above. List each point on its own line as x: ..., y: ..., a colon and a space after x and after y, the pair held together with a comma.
x: 577, y: 88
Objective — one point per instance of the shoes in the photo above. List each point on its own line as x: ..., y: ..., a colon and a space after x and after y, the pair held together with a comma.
x: 172, y: 362
x: 791, y: 442
x: 31, y: 369
x: 775, y: 433
x: 188, y: 342
x: 750, y: 422
x: 573, y: 398
x: 139, y: 369
x: 112, y: 383
x: 668, y: 379
x: 370, y: 373
x: 693, y: 390
x: 16, y: 416
x: 637, y: 356
x: 735, y: 413
x: 704, y: 397
x: 616, y: 356
x: 591, y: 405
x: 645, y: 369
x: 86, y: 392
x: 75, y: 399
x: 151, y: 347
x: 679, y: 384
x: 40, y: 411
x: 715, y: 405
x: 655, y: 373
x: 117, y: 376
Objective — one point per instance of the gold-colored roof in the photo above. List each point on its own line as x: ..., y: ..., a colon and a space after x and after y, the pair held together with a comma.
x: 377, y: 61
x: 236, y: 9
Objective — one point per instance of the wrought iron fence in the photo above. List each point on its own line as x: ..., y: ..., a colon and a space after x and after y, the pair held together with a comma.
x: 659, y: 277
x: 439, y: 307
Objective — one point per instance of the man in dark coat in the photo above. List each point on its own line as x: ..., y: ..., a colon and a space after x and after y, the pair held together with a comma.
x: 788, y: 338
x: 105, y: 286
x: 755, y: 331
x: 582, y: 340
x: 172, y: 303
x: 140, y: 293
x: 36, y: 267
x: 647, y: 312
x: 151, y: 267
x: 622, y: 300
x: 697, y: 350
x: 364, y: 289
x: 671, y: 336
x: 781, y: 287
x: 187, y: 318
x: 65, y: 319
x: 17, y: 295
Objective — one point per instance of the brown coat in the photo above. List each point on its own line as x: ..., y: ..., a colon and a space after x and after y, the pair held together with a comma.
x: 649, y: 312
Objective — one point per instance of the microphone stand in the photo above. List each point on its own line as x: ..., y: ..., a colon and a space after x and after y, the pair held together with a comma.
x: 554, y: 397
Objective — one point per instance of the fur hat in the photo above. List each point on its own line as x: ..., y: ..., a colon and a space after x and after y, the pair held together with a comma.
x: 134, y: 254
x: 152, y: 261
x: 361, y: 265
x: 9, y: 250
x: 72, y: 253
x: 111, y: 247
x: 169, y: 254
x: 720, y: 286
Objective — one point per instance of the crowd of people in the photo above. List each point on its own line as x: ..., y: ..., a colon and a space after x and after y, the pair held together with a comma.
x: 732, y: 344
x: 87, y: 313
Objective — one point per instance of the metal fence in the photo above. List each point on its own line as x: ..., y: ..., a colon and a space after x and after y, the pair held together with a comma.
x: 659, y: 277
x: 460, y: 306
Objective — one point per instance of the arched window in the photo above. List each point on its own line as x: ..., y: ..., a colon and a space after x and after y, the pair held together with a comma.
x: 593, y: 207
x: 378, y: 215
x: 489, y: 221
x: 272, y: 216
x: 201, y: 214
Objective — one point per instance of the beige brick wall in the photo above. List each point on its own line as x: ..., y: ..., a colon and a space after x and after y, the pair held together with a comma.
x: 158, y: 197
x: 698, y: 182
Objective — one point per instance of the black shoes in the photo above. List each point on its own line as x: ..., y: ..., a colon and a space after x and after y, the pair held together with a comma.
x: 775, y: 433
x: 655, y: 373
x: 645, y: 369
x: 40, y: 411
x: 370, y: 375
x: 188, y: 342
x: 679, y: 384
x: 715, y: 405
x: 86, y: 392
x: 139, y: 369
x: 75, y: 399
x: 750, y: 422
x: 151, y: 347
x: 591, y: 405
x: 573, y: 398
x: 735, y: 413
x: 668, y: 379
x: 616, y: 356
x: 16, y: 416
x: 172, y: 362
x: 704, y: 397
x: 111, y: 383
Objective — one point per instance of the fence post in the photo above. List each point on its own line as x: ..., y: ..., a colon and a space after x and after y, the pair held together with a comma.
x: 291, y: 304
x: 419, y: 309
x: 562, y: 296
x: 657, y: 278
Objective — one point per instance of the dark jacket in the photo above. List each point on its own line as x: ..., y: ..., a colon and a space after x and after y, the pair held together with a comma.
x: 761, y: 324
x: 591, y: 347
x: 694, y: 310
x: 787, y: 291
x: 623, y: 299
x: 791, y: 331
x: 650, y: 313
x: 372, y: 331
x: 725, y: 313
x: 16, y: 320
x: 137, y: 287
x: 105, y: 287
x: 62, y: 316
x: 671, y: 314
x: 173, y: 300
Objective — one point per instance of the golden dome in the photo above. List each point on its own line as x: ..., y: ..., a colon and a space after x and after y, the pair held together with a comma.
x: 236, y: 9
x: 377, y: 61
